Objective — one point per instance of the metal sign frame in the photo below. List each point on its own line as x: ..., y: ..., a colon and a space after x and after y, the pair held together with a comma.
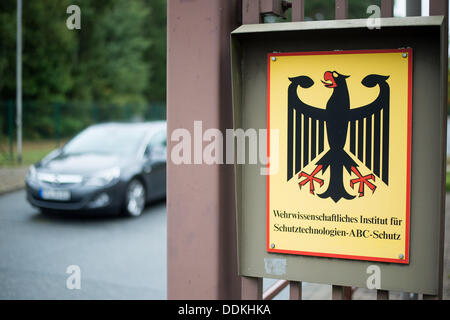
x: 250, y: 45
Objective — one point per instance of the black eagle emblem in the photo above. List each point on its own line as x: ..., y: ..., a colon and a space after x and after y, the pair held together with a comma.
x: 369, y: 135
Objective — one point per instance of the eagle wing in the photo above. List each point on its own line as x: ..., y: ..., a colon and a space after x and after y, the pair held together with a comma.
x: 374, y: 115
x: 303, y: 116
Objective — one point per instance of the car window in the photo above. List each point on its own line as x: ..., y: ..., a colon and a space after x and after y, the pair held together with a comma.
x: 123, y: 140
x: 159, y: 139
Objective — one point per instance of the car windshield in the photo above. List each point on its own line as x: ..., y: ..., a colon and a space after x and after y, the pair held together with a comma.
x: 122, y: 140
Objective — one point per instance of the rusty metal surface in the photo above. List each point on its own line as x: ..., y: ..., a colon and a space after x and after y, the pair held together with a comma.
x: 387, y: 8
x: 275, y: 289
x: 295, y: 290
x: 252, y: 288
x: 251, y: 12
x: 298, y: 10
x: 438, y: 7
x: 201, y: 236
x: 341, y: 9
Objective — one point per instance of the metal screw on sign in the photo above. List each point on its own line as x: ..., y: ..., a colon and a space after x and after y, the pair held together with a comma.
x: 404, y: 55
x: 274, y: 58
x: 272, y: 245
x: 400, y: 256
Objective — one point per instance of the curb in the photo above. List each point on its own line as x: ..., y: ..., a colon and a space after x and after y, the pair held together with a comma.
x: 11, y: 190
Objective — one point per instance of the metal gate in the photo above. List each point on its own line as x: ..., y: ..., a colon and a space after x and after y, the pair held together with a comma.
x: 201, y: 229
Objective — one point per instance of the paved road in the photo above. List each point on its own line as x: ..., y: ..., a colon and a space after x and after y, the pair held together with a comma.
x: 119, y: 258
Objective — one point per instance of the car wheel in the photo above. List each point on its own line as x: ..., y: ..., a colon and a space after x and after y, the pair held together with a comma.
x: 44, y: 211
x: 135, y: 198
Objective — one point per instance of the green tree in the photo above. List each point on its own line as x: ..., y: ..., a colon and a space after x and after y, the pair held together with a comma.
x: 110, y: 63
x: 47, y: 50
x: 105, y: 62
x: 155, y: 29
x: 47, y: 54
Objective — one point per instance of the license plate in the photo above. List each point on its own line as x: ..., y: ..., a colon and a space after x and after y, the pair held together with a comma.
x: 52, y: 194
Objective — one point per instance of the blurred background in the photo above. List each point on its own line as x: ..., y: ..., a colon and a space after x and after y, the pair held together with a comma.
x: 112, y: 69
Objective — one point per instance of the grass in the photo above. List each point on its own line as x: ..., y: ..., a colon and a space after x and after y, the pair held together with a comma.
x: 447, y: 181
x: 32, y: 151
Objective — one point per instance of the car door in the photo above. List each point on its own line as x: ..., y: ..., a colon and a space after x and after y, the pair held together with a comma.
x: 155, y: 167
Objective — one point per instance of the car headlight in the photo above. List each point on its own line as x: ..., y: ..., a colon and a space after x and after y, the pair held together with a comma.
x: 103, y: 178
x: 31, y: 174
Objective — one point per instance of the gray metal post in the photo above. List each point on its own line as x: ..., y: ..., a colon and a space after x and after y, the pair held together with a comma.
x: 11, y: 129
x: 19, y: 81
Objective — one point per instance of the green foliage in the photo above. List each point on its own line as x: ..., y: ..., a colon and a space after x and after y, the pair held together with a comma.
x: 155, y: 29
x: 47, y: 50
x: 110, y: 69
x: 447, y: 182
x: 111, y: 65
x: 324, y: 9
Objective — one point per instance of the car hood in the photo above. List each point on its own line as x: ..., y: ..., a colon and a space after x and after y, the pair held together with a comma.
x: 84, y: 164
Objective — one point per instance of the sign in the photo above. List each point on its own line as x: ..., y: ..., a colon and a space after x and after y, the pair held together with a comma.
x: 343, y: 185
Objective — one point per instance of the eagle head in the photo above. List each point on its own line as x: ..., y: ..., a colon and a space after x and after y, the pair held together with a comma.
x: 333, y: 79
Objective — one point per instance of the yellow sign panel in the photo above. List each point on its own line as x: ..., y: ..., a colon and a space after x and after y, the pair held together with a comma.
x: 343, y: 185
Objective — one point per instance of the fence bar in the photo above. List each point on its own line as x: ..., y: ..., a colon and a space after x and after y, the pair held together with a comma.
x: 298, y: 10
x: 295, y: 290
x: 272, y: 7
x: 275, y: 289
x: 387, y: 8
x: 341, y: 9
x: 438, y: 7
x: 430, y: 297
x: 19, y: 82
x: 201, y: 219
x: 337, y: 292
x: 348, y: 293
x: 413, y: 8
x: 251, y: 288
x: 11, y: 128
x: 382, y: 295
x: 57, y: 122
x: 251, y: 12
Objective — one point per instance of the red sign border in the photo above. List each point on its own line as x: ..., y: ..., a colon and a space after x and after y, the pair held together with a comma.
x: 409, y: 51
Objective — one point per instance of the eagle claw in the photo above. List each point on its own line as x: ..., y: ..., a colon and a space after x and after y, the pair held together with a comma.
x: 362, y: 180
x: 310, y: 178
